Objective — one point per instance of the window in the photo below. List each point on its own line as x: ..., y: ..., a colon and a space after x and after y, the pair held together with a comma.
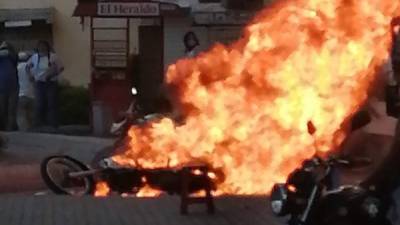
x: 110, y: 43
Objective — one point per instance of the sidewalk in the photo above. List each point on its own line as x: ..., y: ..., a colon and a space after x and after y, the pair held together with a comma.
x: 19, y: 172
x: 62, y: 210
x: 33, y: 147
x: 20, y: 162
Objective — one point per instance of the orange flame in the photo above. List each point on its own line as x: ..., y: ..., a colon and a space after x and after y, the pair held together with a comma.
x: 147, y: 191
x: 247, y: 105
x: 102, y: 189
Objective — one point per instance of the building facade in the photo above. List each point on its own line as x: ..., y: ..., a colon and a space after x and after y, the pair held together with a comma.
x: 108, y: 45
x: 23, y: 22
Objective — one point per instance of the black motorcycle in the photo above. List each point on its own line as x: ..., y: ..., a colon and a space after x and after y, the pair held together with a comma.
x: 309, y: 197
x: 68, y: 176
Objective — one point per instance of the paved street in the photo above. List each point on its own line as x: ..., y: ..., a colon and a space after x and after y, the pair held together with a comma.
x: 20, y: 180
x: 51, y: 210
x: 20, y: 162
x: 20, y: 177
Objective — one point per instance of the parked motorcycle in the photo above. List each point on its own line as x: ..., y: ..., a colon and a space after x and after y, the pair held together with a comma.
x: 309, y: 198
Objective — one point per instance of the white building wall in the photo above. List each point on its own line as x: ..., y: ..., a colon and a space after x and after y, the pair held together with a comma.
x: 72, y: 43
x: 24, y: 4
x: 174, y: 30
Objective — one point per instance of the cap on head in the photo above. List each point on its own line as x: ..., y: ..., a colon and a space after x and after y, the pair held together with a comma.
x: 23, y: 56
x: 3, y: 45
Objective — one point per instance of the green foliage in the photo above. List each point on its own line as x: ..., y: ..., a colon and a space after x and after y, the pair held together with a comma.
x: 74, y: 105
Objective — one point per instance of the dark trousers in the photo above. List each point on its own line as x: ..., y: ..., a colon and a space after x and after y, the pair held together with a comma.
x: 8, y: 110
x: 46, y: 105
x: 3, y: 110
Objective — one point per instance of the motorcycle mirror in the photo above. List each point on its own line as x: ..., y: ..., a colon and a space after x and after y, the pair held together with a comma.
x: 311, y: 128
x: 396, y: 29
x: 134, y: 91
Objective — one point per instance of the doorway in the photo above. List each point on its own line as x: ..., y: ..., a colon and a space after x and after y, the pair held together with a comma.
x: 151, y: 61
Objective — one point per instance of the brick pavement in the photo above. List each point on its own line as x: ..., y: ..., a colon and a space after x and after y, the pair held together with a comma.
x: 21, y: 178
x: 19, y: 163
x: 64, y: 210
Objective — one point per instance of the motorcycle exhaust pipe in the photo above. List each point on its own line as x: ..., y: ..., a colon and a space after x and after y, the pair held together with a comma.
x: 310, y: 202
x: 83, y: 173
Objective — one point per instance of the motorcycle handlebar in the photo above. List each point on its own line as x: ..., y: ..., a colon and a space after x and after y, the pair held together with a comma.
x: 339, y: 161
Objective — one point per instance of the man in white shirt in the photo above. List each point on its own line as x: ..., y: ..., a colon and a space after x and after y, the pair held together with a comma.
x: 26, y: 95
x: 45, y: 68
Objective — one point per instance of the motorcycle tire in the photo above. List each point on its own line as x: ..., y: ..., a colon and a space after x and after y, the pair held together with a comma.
x: 51, y: 183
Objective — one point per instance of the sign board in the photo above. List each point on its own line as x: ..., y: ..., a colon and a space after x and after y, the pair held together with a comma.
x: 128, y: 9
x: 222, y: 18
x: 25, y: 23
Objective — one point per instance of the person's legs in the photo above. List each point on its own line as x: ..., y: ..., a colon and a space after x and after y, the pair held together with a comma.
x: 52, y: 89
x: 22, y: 117
x: 3, y: 111
x: 30, y: 113
x: 12, y: 110
x: 40, y: 106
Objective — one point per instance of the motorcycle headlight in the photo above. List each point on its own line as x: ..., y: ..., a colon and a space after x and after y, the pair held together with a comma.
x: 108, y: 163
x: 279, y: 199
x: 277, y: 206
x: 371, y: 207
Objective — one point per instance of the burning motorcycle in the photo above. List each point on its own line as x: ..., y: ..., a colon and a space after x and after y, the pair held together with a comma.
x: 135, y: 115
x: 66, y: 175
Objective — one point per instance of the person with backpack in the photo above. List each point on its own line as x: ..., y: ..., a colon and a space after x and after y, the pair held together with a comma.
x: 44, y: 67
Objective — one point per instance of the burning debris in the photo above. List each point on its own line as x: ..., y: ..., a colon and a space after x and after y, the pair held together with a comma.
x: 192, y: 183
x: 247, y: 105
x: 66, y: 175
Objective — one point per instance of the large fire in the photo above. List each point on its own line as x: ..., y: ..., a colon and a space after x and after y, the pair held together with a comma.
x: 247, y: 105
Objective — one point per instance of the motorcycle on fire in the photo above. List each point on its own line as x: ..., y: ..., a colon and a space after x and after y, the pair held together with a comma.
x: 135, y: 115
x: 66, y: 175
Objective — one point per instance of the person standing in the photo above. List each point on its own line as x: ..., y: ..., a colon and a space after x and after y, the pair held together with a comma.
x: 44, y: 67
x: 26, y: 95
x: 8, y: 87
x: 191, y: 43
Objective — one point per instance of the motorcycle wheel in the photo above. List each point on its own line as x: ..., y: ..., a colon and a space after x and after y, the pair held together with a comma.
x: 54, y: 171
